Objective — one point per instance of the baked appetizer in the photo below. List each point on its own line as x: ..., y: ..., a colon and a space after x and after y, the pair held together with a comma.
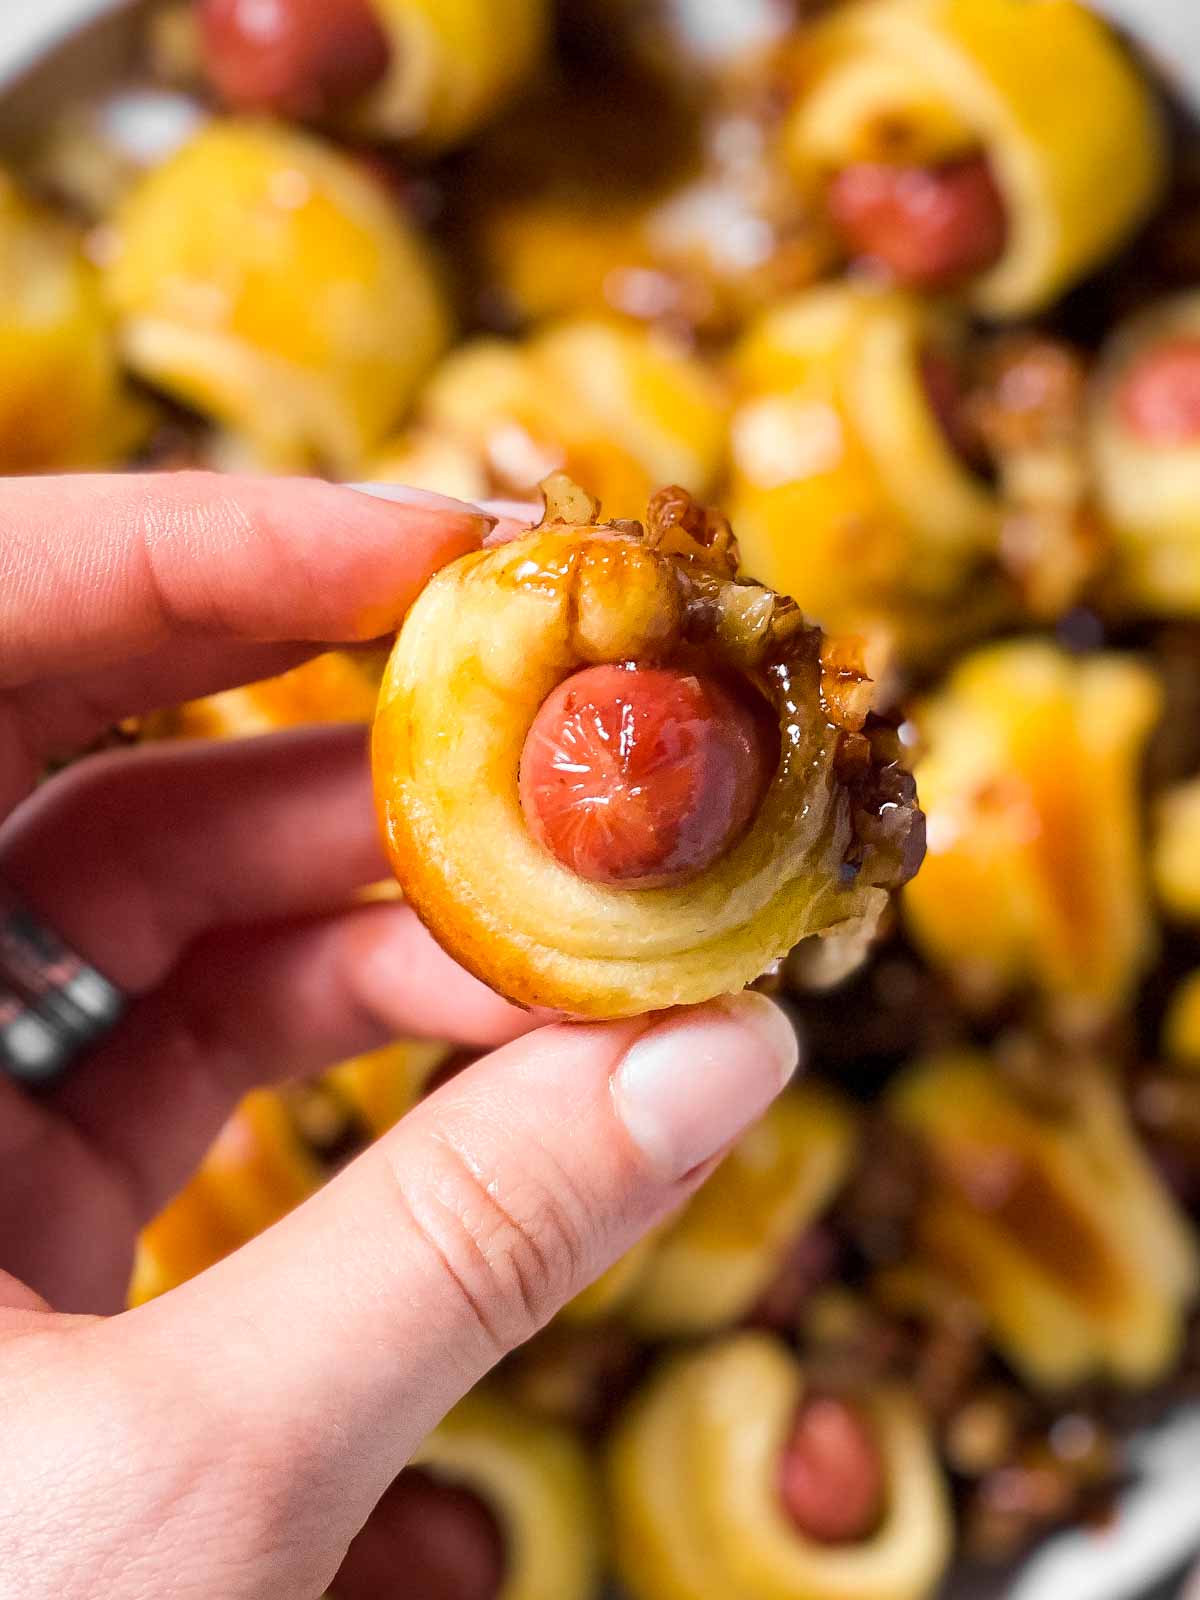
x: 712, y: 1266
x: 1175, y: 850
x: 62, y: 399
x: 259, y: 1168
x: 339, y: 686
x: 612, y: 778
x: 729, y: 1477
x: 1145, y: 448
x: 496, y: 1505
x: 429, y: 71
x: 954, y: 152
x: 1049, y: 1215
x: 267, y: 281
x: 1029, y: 775
x: 620, y: 409
x: 277, y: 1148
x: 850, y: 490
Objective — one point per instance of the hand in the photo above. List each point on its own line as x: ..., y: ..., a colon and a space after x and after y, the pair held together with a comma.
x: 231, y: 1437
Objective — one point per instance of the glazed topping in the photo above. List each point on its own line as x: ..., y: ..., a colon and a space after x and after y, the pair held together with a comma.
x: 426, y: 1538
x: 643, y: 776
x: 831, y: 1478
x: 926, y: 227
x: 297, y: 58
x: 1159, y: 398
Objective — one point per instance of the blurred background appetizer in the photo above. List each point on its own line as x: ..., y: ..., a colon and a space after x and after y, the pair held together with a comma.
x: 1029, y: 777
x: 1050, y: 1218
x: 854, y: 488
x: 952, y: 159
x: 729, y: 1475
x: 264, y: 279
x: 432, y: 71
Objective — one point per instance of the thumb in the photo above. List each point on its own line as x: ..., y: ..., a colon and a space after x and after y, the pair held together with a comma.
x: 340, y: 1338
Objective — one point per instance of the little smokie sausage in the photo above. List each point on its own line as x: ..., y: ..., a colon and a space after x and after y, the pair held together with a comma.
x: 830, y: 1473
x: 428, y: 1539
x: 1159, y: 397
x: 927, y: 227
x: 643, y: 776
x: 295, y: 58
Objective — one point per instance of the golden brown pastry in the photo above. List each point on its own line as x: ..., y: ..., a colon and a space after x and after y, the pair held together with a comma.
x: 1051, y: 1218
x: 849, y: 493
x: 991, y: 148
x: 266, y: 280
x: 731, y: 1480
x: 1029, y: 774
x: 612, y: 778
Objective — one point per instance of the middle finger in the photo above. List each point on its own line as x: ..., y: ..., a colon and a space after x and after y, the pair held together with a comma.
x: 134, y: 854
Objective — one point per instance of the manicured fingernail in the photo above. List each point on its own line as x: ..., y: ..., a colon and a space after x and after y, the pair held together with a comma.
x: 698, y: 1079
x: 399, y: 494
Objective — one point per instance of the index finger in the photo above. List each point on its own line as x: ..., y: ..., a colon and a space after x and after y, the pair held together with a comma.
x: 97, y: 568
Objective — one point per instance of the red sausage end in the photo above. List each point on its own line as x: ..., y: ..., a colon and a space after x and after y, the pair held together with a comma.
x: 294, y: 58
x: 642, y: 777
x: 831, y: 1477
x: 926, y: 227
x: 1159, y: 398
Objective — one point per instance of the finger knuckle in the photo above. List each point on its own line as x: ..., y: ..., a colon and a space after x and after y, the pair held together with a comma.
x: 513, y: 1253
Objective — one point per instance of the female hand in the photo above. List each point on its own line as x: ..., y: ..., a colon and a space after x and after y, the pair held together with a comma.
x: 232, y: 1437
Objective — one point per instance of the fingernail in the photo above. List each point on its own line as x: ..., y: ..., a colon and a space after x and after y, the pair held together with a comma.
x: 399, y: 494
x: 697, y: 1080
